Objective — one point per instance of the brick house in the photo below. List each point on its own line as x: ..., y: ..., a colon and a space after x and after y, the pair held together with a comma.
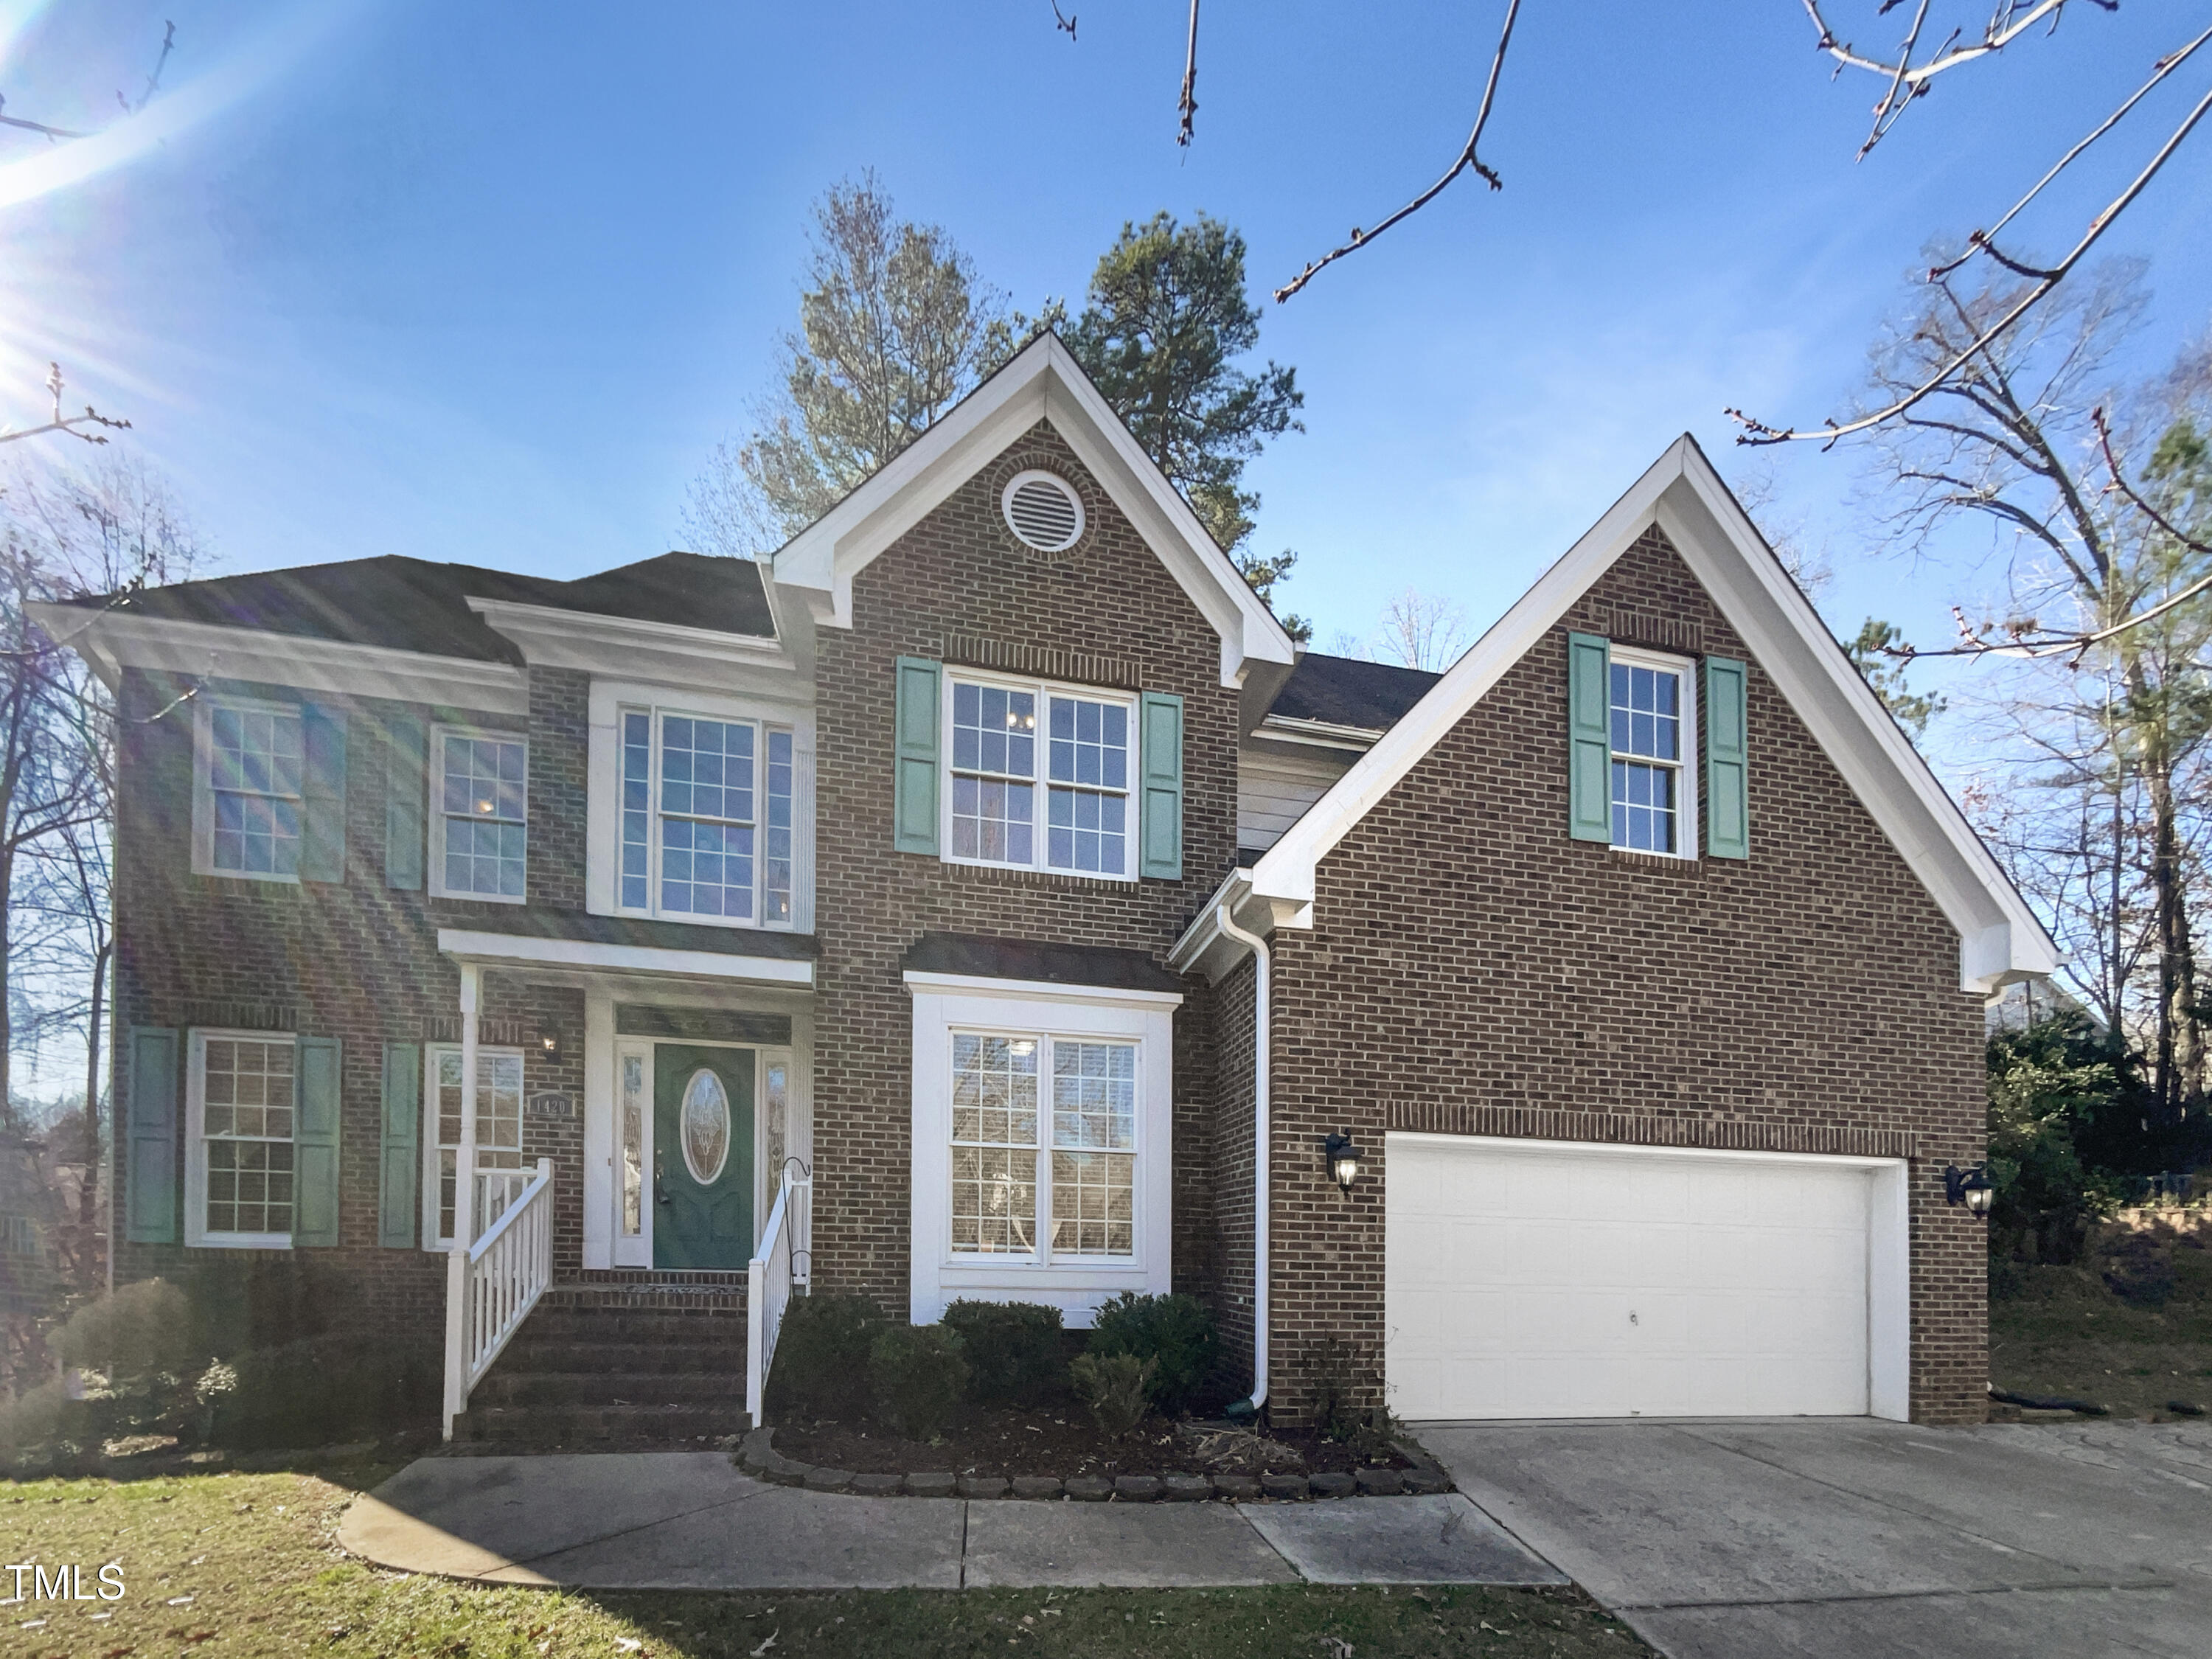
x: 904, y: 915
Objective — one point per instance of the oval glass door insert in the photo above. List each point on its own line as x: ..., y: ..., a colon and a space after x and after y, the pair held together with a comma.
x: 706, y: 1125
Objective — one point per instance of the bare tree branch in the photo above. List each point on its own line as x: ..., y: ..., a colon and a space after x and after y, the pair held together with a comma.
x: 1065, y: 23
x: 1758, y: 432
x: 1188, y: 106
x: 68, y: 423
x: 1467, y: 159
x: 1908, y: 80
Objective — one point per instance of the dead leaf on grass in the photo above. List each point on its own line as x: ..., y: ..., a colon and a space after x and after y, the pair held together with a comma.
x: 771, y: 1643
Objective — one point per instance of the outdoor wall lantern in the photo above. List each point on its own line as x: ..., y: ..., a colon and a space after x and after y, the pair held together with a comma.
x: 1343, y: 1159
x: 548, y: 1043
x: 1970, y: 1187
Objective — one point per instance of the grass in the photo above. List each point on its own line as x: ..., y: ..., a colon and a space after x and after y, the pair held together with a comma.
x: 2061, y: 1330
x: 247, y: 1564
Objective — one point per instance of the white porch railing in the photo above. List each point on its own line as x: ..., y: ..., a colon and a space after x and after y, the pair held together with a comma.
x: 495, y: 1282
x: 782, y: 1268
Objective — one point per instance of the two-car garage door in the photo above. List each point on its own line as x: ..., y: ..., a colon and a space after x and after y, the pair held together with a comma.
x: 1544, y: 1279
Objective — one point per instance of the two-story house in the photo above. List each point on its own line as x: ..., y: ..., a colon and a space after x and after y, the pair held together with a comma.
x: 970, y: 900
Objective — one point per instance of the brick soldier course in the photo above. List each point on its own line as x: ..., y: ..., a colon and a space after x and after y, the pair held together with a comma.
x: 1459, y: 965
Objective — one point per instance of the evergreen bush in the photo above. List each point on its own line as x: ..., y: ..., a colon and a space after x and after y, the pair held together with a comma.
x: 1175, y: 1333
x: 1013, y: 1350
x: 920, y: 1374
x: 821, y: 1364
x: 1116, y: 1388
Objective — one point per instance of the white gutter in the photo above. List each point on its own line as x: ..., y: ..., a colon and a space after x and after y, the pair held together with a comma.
x: 1260, y: 1160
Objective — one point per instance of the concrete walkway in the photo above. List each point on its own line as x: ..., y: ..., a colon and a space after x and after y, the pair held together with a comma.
x: 690, y: 1521
x: 1842, y: 1538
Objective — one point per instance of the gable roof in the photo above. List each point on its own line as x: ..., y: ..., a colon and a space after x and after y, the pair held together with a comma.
x: 399, y: 603
x: 1350, y: 692
x: 1043, y: 382
x: 2000, y: 940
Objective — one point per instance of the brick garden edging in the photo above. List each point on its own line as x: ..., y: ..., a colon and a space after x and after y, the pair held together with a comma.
x: 758, y: 1455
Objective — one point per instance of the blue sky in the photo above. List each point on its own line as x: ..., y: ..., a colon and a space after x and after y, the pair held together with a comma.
x: 487, y: 282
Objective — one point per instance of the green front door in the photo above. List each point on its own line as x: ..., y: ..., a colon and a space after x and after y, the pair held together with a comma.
x: 703, y: 1157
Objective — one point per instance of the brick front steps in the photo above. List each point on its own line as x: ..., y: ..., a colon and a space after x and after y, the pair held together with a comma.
x: 759, y: 1456
x: 606, y: 1365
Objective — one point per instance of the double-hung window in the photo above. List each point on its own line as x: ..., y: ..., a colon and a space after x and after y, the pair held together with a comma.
x: 1049, y: 1185
x: 255, y: 760
x: 241, y: 1095
x: 499, y: 1136
x: 481, y: 826
x: 706, y: 820
x: 1651, y: 722
x: 1087, y: 753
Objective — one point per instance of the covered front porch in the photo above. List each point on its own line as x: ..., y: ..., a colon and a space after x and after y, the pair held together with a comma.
x: 639, y: 1143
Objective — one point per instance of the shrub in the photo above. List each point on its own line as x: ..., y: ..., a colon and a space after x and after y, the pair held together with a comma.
x: 821, y: 1364
x: 1175, y: 1331
x: 1117, y: 1387
x: 140, y: 1330
x: 1013, y: 1350
x: 920, y: 1373
x: 34, y: 1424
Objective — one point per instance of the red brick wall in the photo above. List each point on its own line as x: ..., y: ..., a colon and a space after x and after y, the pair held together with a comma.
x: 1472, y: 970
x: 958, y: 586
x: 356, y: 961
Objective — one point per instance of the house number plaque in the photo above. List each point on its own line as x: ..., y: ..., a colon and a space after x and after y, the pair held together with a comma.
x: 552, y: 1103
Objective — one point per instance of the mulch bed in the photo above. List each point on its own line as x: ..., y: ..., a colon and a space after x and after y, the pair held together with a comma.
x: 1065, y: 1443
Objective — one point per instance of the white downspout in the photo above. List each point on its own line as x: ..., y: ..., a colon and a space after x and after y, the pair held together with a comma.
x: 1261, y: 964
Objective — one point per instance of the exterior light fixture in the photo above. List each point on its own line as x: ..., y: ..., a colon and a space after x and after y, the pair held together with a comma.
x: 1970, y: 1187
x: 548, y: 1043
x: 1343, y: 1159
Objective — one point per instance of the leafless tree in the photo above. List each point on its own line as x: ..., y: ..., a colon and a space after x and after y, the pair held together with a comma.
x: 2080, y: 482
x: 63, y: 533
x: 1422, y: 630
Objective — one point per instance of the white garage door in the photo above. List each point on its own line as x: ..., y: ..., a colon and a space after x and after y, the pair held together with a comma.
x: 1541, y: 1278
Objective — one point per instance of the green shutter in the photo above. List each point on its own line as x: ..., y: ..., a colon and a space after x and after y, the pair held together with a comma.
x: 323, y: 785
x: 1589, y: 746
x: 1159, y: 741
x: 315, y: 1117
x: 150, y: 1206
x: 403, y: 801
x: 915, y: 804
x: 1728, y: 766
x: 400, y: 1169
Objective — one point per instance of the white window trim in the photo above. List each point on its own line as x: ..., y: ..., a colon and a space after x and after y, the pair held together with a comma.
x: 1074, y: 1284
x: 1132, y: 854
x: 197, y: 1235
x: 1688, y: 843
x: 431, y: 1051
x: 603, y: 825
x: 203, y: 709
x: 435, y: 793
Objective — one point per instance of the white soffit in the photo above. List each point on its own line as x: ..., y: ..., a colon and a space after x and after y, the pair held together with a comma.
x: 1043, y: 382
x: 1999, y: 938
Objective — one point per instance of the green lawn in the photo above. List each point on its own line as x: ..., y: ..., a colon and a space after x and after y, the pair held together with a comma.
x: 247, y: 1564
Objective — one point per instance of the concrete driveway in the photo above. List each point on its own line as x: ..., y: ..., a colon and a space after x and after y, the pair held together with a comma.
x: 1849, y: 1537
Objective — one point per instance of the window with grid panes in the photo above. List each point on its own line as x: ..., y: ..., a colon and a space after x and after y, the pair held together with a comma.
x: 484, y: 785
x: 706, y: 818
x: 499, y: 1127
x: 1088, y: 756
x: 1080, y: 1199
x: 246, y: 1087
x: 255, y: 759
x: 1646, y: 721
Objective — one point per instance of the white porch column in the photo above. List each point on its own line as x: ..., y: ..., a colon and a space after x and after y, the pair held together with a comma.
x: 465, y: 1191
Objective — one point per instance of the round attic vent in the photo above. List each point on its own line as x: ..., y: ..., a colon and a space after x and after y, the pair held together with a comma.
x: 1043, y: 511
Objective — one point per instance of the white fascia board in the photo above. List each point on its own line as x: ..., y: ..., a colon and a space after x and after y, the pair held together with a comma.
x: 525, y: 952
x: 1038, y: 990
x: 553, y: 638
x: 1205, y: 949
x: 113, y: 641
x: 1320, y: 734
x: 2000, y: 938
x: 1043, y: 383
